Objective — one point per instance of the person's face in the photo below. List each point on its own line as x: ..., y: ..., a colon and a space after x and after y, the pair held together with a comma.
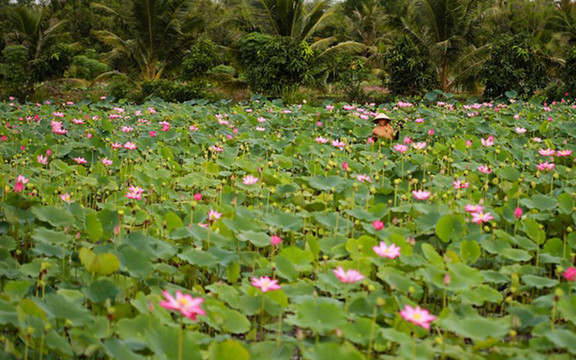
x: 382, y: 122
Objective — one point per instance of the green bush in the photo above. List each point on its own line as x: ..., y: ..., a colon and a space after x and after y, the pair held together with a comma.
x: 274, y: 65
x: 409, y: 69
x: 120, y: 88
x: 514, y: 64
x: 203, y: 56
x: 173, y: 91
x: 351, y: 71
x: 53, y: 63
x: 16, y: 78
x: 568, y: 72
x: 84, y: 67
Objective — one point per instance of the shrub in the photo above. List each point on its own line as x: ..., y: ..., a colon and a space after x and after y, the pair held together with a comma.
x: 351, y: 71
x: 274, y: 65
x: 203, y: 56
x: 410, y: 71
x: 84, y: 67
x: 568, y: 73
x: 17, y: 80
x: 173, y: 91
x: 514, y: 64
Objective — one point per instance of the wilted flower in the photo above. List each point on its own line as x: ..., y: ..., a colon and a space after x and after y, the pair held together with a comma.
x: 265, y: 284
x: 384, y: 250
x: 349, y: 276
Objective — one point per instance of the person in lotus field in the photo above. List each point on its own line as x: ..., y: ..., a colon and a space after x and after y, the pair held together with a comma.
x: 384, y: 129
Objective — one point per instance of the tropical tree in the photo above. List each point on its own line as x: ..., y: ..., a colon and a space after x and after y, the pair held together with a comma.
x: 156, y: 36
x: 449, y: 30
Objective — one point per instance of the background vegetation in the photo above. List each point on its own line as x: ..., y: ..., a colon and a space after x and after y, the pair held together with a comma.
x: 350, y: 50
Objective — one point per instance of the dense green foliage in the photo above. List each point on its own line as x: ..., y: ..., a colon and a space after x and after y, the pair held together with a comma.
x: 397, y: 47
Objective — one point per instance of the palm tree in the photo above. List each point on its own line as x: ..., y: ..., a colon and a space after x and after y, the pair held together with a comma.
x: 449, y: 30
x: 156, y: 36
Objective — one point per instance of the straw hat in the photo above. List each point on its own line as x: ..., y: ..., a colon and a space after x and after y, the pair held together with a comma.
x: 379, y: 117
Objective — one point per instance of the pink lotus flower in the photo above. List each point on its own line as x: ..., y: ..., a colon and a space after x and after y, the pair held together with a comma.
x: 134, y: 193
x: 417, y: 316
x: 468, y: 143
x: 345, y: 166
x: 383, y: 250
x: 570, y: 274
x: 42, y: 159
x: 19, y: 184
x: 260, y: 128
x: 370, y: 140
x: 430, y: 132
x: 419, y: 145
x: 546, y: 166
x: 214, y: 215
x: 421, y: 194
x: 484, y: 169
x: 130, y: 146
x: 480, y: 217
x: 165, y: 125
x: 400, y: 148
x: 80, y: 160
x: 185, y: 304
x: 275, y: 240
x: 419, y: 120
x: 261, y: 119
x: 66, y: 198
x: 249, y: 180
x: 363, y: 178
x: 487, y: 142
x: 152, y: 133
x: 198, y: 197
x: 378, y: 225
x: 127, y: 129
x: 107, y: 162
x: 349, y: 276
x: 564, y: 153
x: 546, y: 152
x: 216, y: 149
x: 536, y: 139
x: 473, y: 208
x: 265, y: 284
x: 321, y: 140
x: 520, y: 130
x: 518, y: 212
x: 460, y: 185
x: 407, y: 140
x: 116, y: 146
x: 339, y: 144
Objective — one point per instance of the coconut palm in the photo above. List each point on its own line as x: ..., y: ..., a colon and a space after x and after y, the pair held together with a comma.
x: 449, y: 30
x: 156, y: 36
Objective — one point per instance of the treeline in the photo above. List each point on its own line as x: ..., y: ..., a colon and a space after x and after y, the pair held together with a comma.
x: 294, y: 49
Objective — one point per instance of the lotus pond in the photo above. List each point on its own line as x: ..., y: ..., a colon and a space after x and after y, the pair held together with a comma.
x: 260, y: 231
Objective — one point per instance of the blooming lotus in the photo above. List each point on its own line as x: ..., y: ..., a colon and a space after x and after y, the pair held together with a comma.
x: 66, y: 198
x: 400, y: 148
x: 198, y: 197
x: 80, y: 160
x: 546, y: 152
x: 19, y: 184
x: 130, y: 146
x: 407, y: 140
x: 185, y: 304
x: 217, y: 149
x: 546, y: 166
x: 42, y: 159
x: 339, y: 144
x: 473, y: 208
x: 564, y: 153
x: 421, y: 194
x: 417, y: 316
x: 419, y: 145
x: 484, y: 169
x: 487, y: 142
x: 134, y: 193
x: 249, y: 180
x: 349, y: 276
x: 214, y: 215
x: 107, y: 162
x: 384, y: 250
x: 520, y: 130
x: 265, y: 284
x: 321, y: 140
x: 363, y: 178
x: 480, y: 217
